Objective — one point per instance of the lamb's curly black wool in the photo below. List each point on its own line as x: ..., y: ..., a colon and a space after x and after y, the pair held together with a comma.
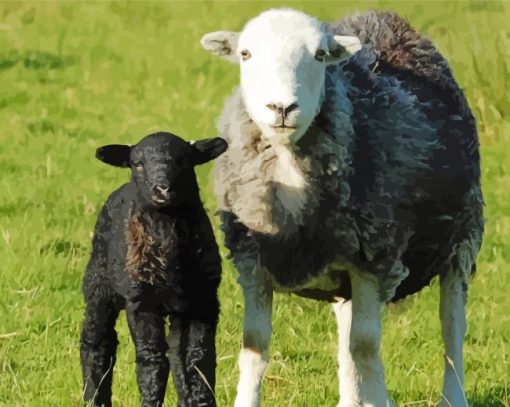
x: 154, y: 254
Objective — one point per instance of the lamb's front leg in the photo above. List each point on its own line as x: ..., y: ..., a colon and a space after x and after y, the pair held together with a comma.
x: 152, y: 366
x: 97, y: 350
x: 254, y: 356
x: 361, y: 372
x: 193, y: 360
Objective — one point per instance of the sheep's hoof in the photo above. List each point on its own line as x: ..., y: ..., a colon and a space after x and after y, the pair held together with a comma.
x: 389, y: 403
x: 453, y: 401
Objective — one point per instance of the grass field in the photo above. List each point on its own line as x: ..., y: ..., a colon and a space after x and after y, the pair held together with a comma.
x: 76, y: 76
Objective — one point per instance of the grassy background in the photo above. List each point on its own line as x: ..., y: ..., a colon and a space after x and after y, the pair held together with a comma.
x: 76, y: 76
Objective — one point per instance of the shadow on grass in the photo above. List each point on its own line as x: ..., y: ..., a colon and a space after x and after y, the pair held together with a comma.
x: 62, y: 247
x: 34, y: 60
x: 498, y: 396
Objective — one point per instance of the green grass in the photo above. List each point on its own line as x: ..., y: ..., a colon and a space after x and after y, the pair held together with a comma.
x: 76, y: 76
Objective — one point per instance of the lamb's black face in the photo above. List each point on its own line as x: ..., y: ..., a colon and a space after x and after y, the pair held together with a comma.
x: 162, y: 165
x: 162, y: 168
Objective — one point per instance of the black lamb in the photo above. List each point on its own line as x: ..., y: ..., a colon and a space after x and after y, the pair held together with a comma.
x: 154, y: 254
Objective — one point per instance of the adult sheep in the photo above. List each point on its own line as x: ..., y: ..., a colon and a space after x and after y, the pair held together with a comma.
x: 352, y: 176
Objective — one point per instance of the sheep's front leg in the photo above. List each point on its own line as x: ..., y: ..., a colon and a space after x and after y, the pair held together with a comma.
x: 254, y: 357
x: 361, y: 373
x: 453, y: 296
x: 193, y: 360
x: 152, y: 366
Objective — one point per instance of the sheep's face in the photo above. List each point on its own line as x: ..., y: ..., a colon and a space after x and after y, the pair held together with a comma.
x: 162, y: 166
x: 283, y: 56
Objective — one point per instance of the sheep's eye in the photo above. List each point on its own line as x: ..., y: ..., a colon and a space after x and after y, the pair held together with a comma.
x: 320, y: 55
x: 245, y: 54
x: 139, y: 167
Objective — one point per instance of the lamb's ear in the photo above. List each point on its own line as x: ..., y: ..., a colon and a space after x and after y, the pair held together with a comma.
x: 341, y: 48
x: 208, y: 149
x: 222, y: 43
x: 114, y: 154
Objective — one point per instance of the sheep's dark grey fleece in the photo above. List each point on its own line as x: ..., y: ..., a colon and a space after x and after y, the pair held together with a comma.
x: 154, y: 254
x: 392, y: 170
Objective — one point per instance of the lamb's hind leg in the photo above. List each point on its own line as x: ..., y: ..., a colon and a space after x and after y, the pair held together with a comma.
x: 361, y: 374
x: 254, y: 357
x: 453, y: 296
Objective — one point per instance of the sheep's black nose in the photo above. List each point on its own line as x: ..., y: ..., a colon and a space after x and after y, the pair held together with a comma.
x: 282, y: 110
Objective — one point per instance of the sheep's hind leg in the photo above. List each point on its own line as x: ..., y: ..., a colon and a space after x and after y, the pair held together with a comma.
x: 98, y: 345
x: 453, y: 297
x: 254, y: 356
x: 361, y: 373
x: 147, y: 329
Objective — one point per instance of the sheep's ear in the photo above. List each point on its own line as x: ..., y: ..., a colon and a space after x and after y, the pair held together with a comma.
x: 341, y: 48
x: 222, y: 43
x: 208, y: 149
x: 114, y: 154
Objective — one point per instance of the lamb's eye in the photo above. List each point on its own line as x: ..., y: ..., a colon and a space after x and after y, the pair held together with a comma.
x: 320, y: 55
x: 139, y: 167
x: 245, y: 54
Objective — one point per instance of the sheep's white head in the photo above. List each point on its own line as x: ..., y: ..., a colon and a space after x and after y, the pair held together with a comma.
x: 283, y: 55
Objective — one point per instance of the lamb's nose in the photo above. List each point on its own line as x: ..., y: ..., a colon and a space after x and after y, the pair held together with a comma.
x: 161, y: 189
x: 281, y: 109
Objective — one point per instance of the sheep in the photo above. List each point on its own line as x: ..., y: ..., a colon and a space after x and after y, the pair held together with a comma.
x: 353, y: 177
x: 154, y: 254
